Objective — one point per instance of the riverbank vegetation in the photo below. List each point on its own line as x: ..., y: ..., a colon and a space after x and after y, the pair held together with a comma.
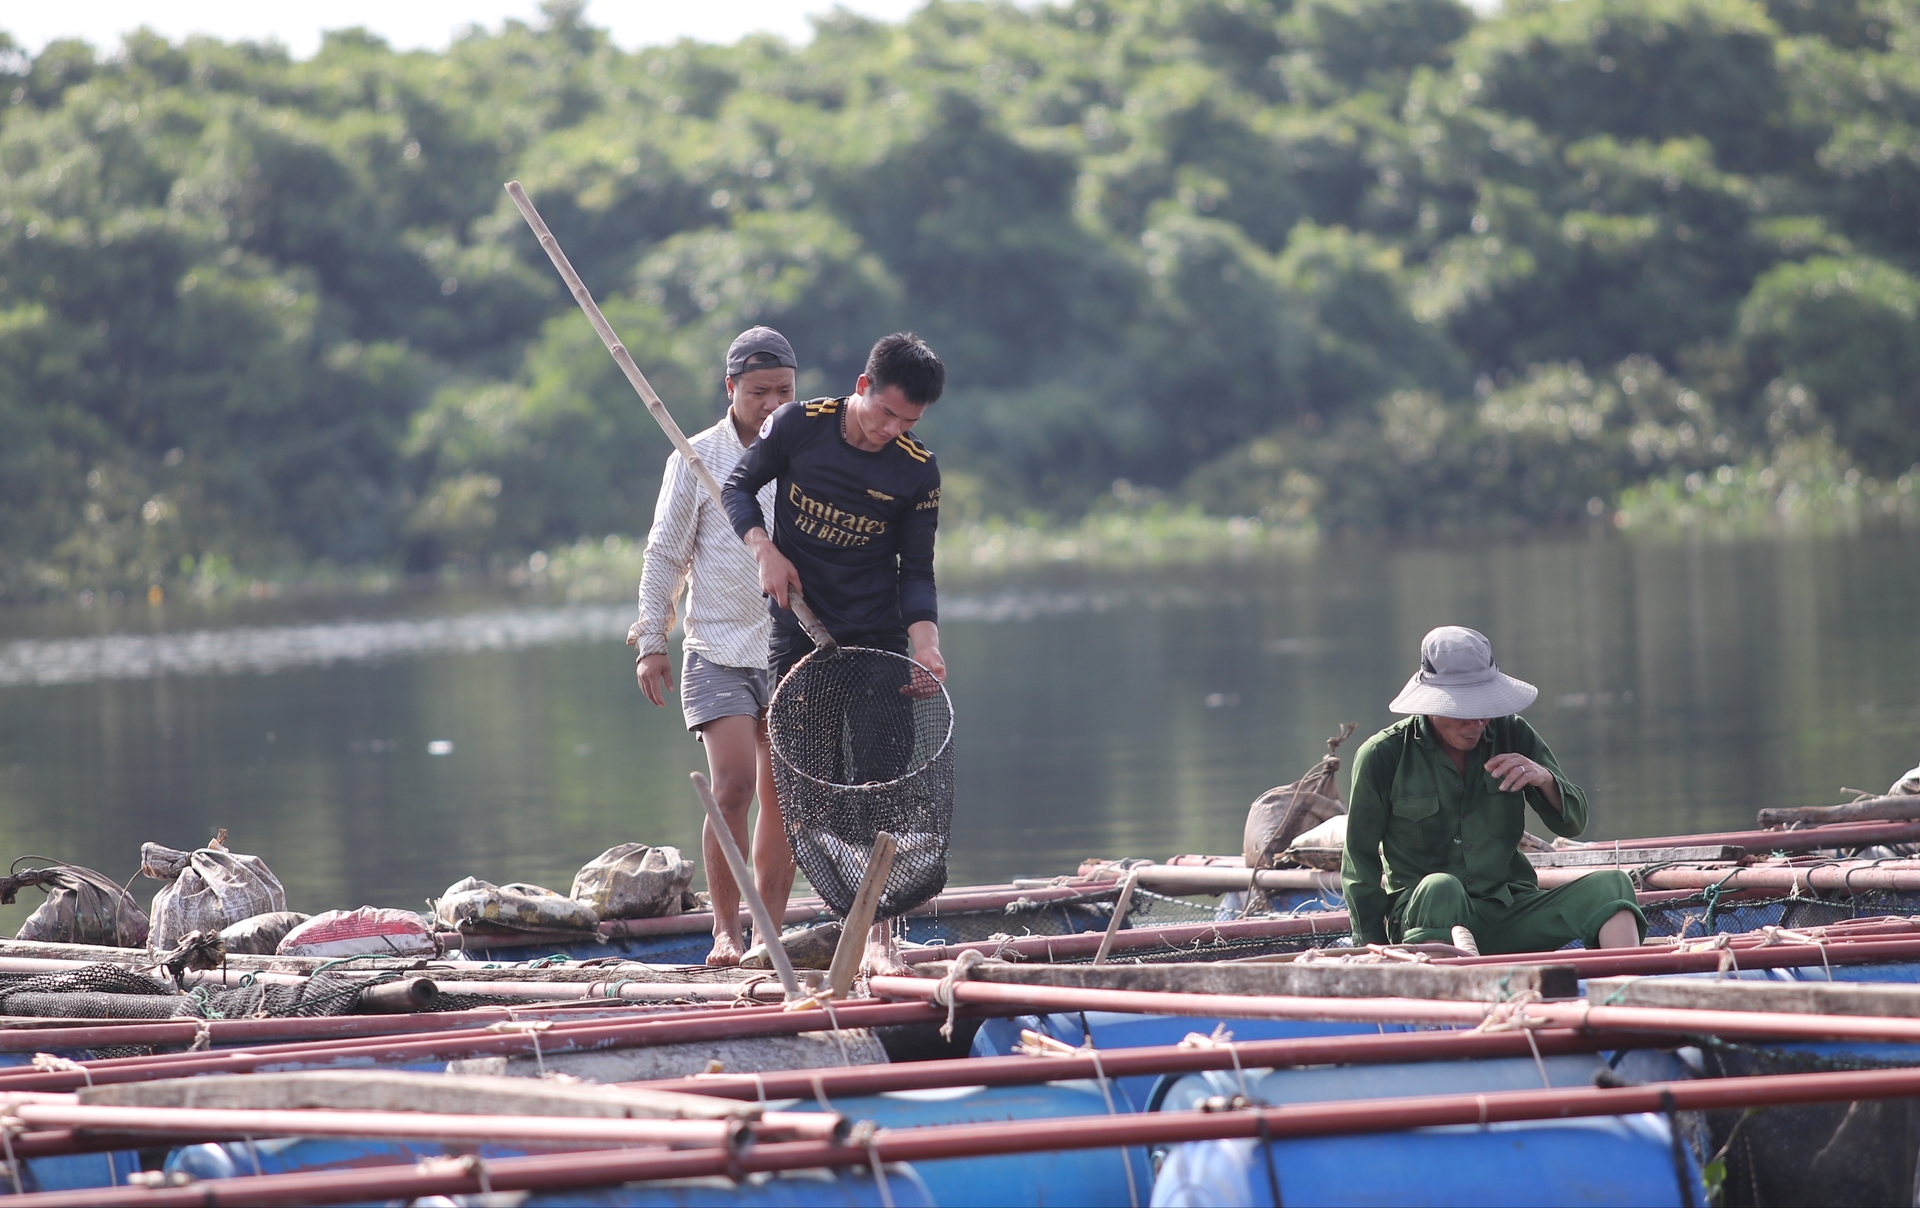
x: 1203, y: 272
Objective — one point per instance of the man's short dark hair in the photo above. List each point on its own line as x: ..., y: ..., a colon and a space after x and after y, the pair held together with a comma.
x: 904, y: 360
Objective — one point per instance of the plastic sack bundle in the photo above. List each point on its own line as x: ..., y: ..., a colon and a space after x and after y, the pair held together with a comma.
x: 261, y: 934
x: 82, y: 907
x: 474, y: 906
x: 368, y: 931
x: 635, y: 881
x: 1280, y: 815
x: 207, y: 890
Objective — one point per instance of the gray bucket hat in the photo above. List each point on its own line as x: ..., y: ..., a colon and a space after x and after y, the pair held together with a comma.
x: 1457, y: 678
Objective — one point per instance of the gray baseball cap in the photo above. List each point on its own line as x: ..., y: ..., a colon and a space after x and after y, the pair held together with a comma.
x: 755, y: 341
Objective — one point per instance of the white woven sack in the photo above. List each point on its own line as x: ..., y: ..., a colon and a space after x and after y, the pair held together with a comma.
x: 207, y: 890
x: 634, y: 881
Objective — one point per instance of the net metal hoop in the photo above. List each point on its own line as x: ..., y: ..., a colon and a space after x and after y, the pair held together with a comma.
x: 773, y: 710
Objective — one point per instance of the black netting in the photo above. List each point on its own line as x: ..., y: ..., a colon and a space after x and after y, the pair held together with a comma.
x: 1019, y: 918
x: 863, y: 743
x: 89, y: 992
x: 1828, y: 1153
x: 1707, y: 912
x: 324, y: 994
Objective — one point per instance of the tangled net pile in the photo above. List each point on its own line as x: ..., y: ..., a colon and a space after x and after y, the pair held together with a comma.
x: 111, y: 992
x: 863, y: 743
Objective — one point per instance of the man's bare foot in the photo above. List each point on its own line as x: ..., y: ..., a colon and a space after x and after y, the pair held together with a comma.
x: 882, y: 956
x: 726, y: 950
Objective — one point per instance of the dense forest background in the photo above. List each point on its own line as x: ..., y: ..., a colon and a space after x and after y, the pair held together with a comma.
x: 1367, y: 265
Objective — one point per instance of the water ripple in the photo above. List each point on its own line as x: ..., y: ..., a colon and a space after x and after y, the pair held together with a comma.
x: 262, y: 650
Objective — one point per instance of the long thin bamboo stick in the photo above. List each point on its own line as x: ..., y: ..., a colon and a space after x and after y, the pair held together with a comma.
x: 621, y: 357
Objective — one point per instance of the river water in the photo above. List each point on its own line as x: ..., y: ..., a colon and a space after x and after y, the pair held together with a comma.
x: 1099, y: 712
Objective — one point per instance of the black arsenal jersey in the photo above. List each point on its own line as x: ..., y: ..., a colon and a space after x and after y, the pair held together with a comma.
x: 857, y: 526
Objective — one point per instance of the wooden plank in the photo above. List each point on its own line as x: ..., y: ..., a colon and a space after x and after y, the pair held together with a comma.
x: 403, y: 1091
x: 1894, y: 807
x: 1469, y: 983
x: 1895, y: 999
x: 853, y: 937
x: 1624, y: 857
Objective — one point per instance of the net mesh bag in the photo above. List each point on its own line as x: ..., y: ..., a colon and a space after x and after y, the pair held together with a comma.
x: 863, y: 743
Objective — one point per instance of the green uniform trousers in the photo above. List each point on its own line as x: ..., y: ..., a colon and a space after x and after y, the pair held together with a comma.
x: 1540, y: 920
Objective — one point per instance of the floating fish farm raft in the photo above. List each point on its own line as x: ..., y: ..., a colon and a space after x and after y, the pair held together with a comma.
x: 1187, y: 1031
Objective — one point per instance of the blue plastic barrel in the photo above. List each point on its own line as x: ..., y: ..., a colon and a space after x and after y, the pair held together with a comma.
x: 285, y: 1155
x: 1323, y: 1084
x: 1095, y: 1177
x: 1111, y: 1030
x: 1627, y: 1160
x: 1609, y: 1160
x: 74, y: 1172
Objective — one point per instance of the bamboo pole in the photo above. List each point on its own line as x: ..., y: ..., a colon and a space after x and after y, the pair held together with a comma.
x: 1893, y: 806
x: 621, y: 357
x: 1120, y: 907
x: 763, y: 925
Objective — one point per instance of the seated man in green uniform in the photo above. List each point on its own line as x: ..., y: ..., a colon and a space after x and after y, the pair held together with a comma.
x: 1443, y: 797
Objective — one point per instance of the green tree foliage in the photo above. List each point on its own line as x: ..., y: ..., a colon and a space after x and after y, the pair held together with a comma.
x: 1365, y: 263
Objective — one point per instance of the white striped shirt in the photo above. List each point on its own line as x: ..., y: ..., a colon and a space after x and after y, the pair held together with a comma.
x: 691, y: 539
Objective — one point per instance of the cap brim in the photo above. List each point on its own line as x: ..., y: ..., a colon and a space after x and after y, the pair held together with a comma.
x: 1496, y: 697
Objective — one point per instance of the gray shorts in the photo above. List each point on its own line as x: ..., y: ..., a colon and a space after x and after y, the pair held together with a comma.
x: 709, y: 691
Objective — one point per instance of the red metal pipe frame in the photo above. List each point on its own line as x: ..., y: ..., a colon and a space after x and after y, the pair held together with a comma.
x: 1735, y: 1024
x: 203, y: 1123
x: 763, y: 1021
x: 561, y: 1038
x: 1631, y: 962
x: 1836, y: 835
x: 1198, y: 935
x: 1017, y: 1071
x: 1156, y: 1060
x: 580, y: 1170
x: 227, y: 1032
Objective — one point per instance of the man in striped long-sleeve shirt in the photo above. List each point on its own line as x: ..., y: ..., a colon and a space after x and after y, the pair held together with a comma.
x: 725, y: 683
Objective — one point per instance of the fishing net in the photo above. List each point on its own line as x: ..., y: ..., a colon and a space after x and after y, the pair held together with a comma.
x: 863, y: 743
x: 111, y: 992
x: 1829, y: 1153
x: 89, y: 992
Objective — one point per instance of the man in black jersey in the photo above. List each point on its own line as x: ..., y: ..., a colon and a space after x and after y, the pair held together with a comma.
x: 854, y: 514
x: 857, y: 503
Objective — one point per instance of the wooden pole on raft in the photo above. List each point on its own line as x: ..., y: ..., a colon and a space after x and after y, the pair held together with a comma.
x: 1120, y: 906
x: 1893, y: 807
x: 743, y: 877
x: 853, y: 936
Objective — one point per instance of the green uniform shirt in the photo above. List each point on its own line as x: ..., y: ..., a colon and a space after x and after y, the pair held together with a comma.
x: 1410, y: 802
